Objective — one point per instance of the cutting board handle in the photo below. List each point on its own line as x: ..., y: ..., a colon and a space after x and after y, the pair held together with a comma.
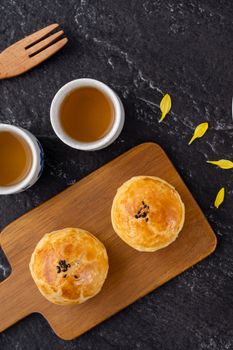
x: 14, y: 306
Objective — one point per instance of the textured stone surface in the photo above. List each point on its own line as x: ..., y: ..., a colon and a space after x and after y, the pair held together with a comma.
x: 142, y: 49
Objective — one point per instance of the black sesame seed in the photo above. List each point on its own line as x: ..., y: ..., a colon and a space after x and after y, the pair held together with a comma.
x: 147, y: 219
x: 62, y: 266
x: 75, y: 276
x: 64, y: 276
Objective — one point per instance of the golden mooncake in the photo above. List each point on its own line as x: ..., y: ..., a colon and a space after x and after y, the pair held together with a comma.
x: 69, y: 266
x: 147, y: 213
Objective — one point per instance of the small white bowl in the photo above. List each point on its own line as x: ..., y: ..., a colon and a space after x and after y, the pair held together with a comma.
x: 37, y: 160
x: 118, y: 111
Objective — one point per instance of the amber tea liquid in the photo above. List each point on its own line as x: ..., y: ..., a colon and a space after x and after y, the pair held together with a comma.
x: 15, y: 158
x: 86, y: 114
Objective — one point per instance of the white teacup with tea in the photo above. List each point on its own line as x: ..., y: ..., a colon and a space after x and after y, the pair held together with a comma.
x: 21, y: 159
x: 87, y: 114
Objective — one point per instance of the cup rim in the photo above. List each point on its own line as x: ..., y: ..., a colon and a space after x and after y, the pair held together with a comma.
x: 26, y: 137
x: 58, y: 99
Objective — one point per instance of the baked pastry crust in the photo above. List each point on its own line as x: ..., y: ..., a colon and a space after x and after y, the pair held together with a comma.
x: 147, y: 213
x: 69, y: 266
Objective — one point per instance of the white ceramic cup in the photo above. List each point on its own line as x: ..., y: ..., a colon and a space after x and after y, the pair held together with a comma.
x: 37, y: 160
x: 113, y: 133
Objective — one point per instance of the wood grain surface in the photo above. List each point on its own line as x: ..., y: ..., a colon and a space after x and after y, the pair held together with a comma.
x: 132, y: 274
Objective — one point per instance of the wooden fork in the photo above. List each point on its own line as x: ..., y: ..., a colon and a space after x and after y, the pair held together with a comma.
x: 30, y: 51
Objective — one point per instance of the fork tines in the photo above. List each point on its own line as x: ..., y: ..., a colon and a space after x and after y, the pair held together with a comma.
x: 42, y: 41
x: 30, y: 51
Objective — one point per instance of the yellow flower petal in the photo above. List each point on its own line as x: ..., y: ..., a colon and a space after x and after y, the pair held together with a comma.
x: 222, y: 163
x: 165, y: 106
x: 199, y: 131
x: 220, y: 197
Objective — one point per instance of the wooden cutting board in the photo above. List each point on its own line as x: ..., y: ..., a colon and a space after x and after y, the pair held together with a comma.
x: 132, y: 274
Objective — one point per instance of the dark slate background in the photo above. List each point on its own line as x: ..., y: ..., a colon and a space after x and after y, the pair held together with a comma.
x: 142, y: 49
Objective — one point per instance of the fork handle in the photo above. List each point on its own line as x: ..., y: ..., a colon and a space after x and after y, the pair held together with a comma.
x: 7, y: 65
x: 3, y: 74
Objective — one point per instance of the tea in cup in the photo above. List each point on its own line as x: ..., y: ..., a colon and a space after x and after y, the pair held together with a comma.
x: 21, y: 159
